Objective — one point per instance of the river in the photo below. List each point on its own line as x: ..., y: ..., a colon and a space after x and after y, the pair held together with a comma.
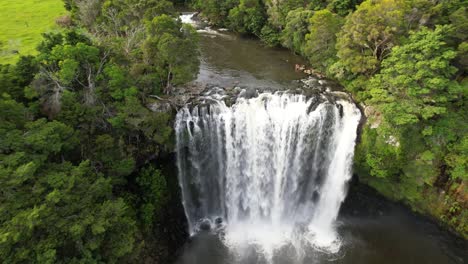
x: 230, y: 60
x: 244, y: 207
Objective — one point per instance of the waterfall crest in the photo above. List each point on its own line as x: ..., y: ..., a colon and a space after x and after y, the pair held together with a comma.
x: 267, y: 170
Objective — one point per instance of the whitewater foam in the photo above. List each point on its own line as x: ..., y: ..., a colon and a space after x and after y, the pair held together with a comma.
x: 272, y: 169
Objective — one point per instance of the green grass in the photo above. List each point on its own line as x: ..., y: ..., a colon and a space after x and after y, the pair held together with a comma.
x: 21, y: 24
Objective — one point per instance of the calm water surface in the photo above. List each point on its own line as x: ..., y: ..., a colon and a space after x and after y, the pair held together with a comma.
x: 230, y: 60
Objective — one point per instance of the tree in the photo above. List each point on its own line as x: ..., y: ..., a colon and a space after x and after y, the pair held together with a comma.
x: 61, y: 213
x: 459, y: 20
x: 278, y: 10
x: 51, y: 210
x: 216, y: 10
x: 297, y: 26
x: 270, y: 35
x: 171, y: 51
x: 343, y: 7
x: 69, y: 67
x: 69, y: 191
x: 415, y: 83
x: 248, y: 17
x: 154, y: 194
x: 369, y: 34
x: 13, y: 78
x: 321, y: 41
x: 87, y: 11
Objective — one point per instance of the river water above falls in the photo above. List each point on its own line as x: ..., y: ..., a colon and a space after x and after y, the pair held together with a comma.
x: 263, y: 175
x: 229, y: 60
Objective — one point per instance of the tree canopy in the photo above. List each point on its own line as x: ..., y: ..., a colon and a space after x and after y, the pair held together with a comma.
x: 80, y: 146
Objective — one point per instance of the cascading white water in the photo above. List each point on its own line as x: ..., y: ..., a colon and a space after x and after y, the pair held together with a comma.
x: 268, y: 170
x: 187, y: 18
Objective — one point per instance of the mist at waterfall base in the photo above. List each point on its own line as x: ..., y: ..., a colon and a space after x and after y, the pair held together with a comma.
x: 267, y: 174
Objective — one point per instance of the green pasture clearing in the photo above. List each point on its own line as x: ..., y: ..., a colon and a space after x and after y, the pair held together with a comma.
x: 21, y: 24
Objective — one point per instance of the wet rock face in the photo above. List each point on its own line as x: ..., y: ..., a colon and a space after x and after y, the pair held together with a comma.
x: 160, y: 107
x: 310, y: 82
x: 196, y: 93
x: 218, y: 221
x: 205, y: 225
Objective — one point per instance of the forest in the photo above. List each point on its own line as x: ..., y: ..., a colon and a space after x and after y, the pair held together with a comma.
x: 82, y: 155
x: 80, y: 180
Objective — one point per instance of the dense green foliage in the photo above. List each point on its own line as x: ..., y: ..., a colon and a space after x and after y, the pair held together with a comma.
x: 275, y: 22
x: 424, y: 109
x: 321, y: 39
x: 406, y: 63
x: 79, y: 146
x: 78, y: 138
x: 170, y: 50
x: 296, y: 28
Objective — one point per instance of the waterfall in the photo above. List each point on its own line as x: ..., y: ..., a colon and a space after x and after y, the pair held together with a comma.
x: 267, y: 170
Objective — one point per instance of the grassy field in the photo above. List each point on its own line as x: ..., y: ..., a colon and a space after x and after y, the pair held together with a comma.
x: 21, y: 24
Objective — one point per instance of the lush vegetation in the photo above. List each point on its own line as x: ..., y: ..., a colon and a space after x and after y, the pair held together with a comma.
x: 22, y: 24
x: 406, y: 63
x: 79, y: 148
x: 80, y: 151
